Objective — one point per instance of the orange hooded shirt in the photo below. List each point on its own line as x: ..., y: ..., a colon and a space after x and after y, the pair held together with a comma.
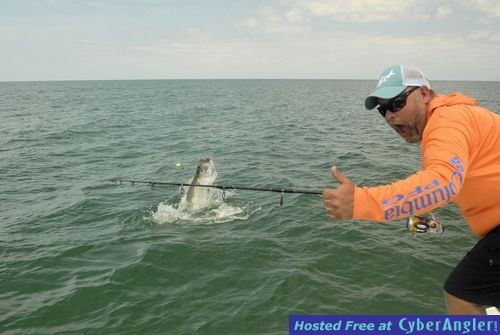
x: 461, y: 163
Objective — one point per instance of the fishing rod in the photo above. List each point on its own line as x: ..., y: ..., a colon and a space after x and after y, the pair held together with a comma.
x: 224, y: 188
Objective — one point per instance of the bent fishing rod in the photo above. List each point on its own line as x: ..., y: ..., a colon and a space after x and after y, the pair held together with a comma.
x: 224, y: 188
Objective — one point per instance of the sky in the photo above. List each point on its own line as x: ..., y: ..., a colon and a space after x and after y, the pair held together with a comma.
x: 204, y: 39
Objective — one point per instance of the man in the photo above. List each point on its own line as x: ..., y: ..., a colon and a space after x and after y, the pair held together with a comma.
x: 460, y: 145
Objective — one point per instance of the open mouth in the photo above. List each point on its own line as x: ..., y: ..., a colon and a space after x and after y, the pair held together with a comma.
x: 400, y: 129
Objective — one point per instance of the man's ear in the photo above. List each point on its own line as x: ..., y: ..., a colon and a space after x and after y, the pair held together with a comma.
x: 426, y: 94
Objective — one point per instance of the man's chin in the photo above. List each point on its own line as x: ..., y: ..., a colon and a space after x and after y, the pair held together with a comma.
x: 407, y: 135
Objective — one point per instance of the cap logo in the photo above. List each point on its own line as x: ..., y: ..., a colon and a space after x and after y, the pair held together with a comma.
x: 384, y: 78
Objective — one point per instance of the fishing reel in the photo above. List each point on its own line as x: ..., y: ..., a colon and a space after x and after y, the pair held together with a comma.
x: 419, y: 224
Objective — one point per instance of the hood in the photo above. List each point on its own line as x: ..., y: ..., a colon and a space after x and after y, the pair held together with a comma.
x: 455, y: 98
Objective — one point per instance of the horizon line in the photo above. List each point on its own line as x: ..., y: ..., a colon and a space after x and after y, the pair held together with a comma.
x: 200, y: 79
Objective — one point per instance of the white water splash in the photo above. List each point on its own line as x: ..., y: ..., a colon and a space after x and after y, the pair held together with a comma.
x: 215, y: 210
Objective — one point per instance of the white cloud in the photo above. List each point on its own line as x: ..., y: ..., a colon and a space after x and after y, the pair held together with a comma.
x: 251, y: 23
x: 281, y: 39
x: 443, y: 12
x: 295, y: 16
x: 316, y: 54
x: 355, y: 10
x: 490, y: 8
x: 277, y: 20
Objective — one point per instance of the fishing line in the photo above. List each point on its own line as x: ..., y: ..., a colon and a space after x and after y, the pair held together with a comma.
x: 224, y: 188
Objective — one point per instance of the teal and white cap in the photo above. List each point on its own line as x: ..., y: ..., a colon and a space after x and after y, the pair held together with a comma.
x: 393, y: 81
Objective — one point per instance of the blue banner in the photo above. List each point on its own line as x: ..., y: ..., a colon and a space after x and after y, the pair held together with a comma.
x: 393, y: 324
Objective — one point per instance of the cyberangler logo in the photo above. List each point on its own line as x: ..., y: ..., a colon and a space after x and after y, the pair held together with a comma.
x: 425, y: 196
x: 385, y: 77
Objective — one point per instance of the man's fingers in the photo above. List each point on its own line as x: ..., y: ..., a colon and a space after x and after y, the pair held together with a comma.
x: 337, y: 175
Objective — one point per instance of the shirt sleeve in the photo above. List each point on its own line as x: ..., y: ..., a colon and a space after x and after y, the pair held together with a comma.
x: 445, y: 151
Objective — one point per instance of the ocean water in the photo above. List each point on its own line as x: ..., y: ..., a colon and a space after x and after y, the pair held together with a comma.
x: 83, y: 255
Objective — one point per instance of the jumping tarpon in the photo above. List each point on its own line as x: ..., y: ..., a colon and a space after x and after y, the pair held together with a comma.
x: 199, y: 197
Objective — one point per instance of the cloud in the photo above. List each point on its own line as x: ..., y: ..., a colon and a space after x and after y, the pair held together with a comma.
x: 490, y: 8
x: 443, y: 12
x: 251, y: 23
x: 355, y: 10
x: 280, y: 39
x: 316, y: 39
x: 293, y: 16
x: 277, y: 20
x: 314, y: 54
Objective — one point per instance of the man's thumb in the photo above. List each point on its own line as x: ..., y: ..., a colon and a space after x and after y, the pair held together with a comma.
x: 339, y: 176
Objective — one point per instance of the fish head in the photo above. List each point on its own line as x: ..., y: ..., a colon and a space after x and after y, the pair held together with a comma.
x: 206, y: 168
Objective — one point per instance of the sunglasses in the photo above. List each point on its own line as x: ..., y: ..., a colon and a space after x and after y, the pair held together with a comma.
x: 395, y: 104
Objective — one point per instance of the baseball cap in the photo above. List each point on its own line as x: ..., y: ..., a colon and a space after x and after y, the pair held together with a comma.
x: 393, y: 81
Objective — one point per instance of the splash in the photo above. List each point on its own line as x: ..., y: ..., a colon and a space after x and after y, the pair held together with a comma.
x: 200, y: 204
x: 215, y: 210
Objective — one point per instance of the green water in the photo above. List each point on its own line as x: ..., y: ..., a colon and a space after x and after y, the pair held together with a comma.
x: 81, y: 255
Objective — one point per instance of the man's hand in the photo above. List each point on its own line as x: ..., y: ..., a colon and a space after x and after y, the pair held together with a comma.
x: 339, y: 202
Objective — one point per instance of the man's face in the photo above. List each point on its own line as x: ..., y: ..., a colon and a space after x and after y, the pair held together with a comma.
x: 410, y: 120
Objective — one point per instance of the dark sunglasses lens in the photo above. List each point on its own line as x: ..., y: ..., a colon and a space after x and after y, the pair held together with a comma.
x: 398, y: 104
